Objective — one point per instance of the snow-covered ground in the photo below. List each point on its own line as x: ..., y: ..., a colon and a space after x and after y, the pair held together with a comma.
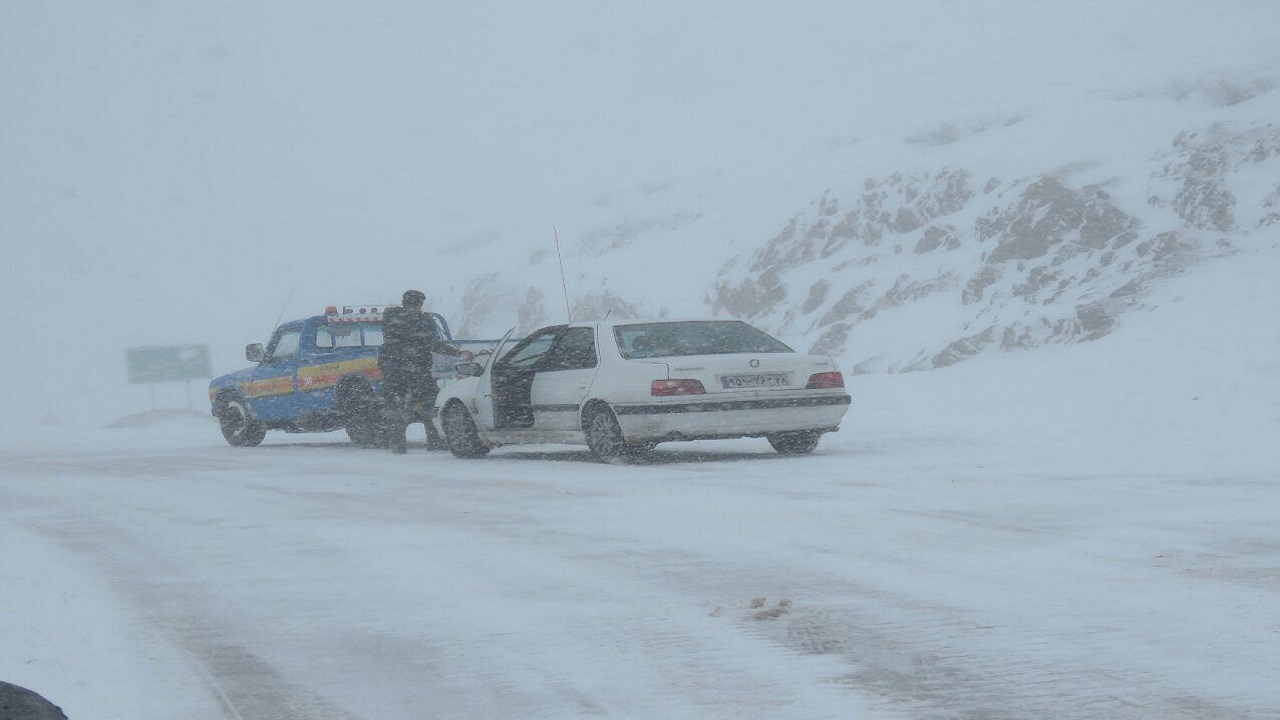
x: 1079, y: 532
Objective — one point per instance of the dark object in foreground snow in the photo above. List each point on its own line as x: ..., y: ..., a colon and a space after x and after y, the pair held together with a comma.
x: 17, y: 703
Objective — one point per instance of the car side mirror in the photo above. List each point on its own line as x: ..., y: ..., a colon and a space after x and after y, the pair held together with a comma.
x: 253, y: 352
x: 469, y: 369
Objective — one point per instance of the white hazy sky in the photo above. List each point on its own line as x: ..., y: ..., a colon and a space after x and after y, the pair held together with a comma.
x: 174, y: 171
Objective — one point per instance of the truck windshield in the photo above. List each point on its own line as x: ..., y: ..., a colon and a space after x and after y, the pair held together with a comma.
x: 352, y: 334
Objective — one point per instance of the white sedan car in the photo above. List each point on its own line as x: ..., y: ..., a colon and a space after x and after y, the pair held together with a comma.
x: 622, y: 387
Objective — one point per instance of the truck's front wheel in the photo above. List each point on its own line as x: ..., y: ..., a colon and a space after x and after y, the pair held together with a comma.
x: 238, y: 426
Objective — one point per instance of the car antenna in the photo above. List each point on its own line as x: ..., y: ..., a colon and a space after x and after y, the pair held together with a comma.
x: 563, y: 282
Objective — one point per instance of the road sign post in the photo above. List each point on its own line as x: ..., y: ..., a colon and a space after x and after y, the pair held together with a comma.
x: 167, y: 363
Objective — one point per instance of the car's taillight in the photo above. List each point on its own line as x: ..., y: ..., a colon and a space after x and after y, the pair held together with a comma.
x: 676, y: 387
x: 825, y: 380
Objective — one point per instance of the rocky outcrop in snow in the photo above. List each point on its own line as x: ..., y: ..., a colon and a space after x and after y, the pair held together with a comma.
x: 996, y: 265
x: 918, y: 270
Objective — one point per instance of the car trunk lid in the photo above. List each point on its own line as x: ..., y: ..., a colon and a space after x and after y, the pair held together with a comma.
x: 748, y: 372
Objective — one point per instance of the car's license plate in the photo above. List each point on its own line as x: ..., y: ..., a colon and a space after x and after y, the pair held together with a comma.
x: 730, y: 382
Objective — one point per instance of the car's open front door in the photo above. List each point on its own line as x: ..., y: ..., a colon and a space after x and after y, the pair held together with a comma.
x: 484, y: 408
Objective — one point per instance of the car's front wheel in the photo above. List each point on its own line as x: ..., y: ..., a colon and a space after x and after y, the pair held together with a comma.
x: 238, y: 426
x: 797, y: 442
x: 460, y: 433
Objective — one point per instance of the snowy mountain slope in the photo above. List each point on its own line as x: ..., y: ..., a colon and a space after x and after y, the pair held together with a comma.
x: 974, y: 262
x: 922, y: 268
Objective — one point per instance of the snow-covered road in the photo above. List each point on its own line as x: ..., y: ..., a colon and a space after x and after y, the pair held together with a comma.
x: 896, y: 574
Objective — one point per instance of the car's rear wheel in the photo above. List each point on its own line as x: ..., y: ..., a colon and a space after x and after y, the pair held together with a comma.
x: 460, y: 433
x: 797, y: 442
x: 605, y: 439
x: 238, y: 426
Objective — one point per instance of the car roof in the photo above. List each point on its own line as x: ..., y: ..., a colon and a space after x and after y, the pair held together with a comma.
x: 615, y: 322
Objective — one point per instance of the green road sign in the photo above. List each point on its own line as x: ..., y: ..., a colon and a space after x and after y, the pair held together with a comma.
x: 168, y: 363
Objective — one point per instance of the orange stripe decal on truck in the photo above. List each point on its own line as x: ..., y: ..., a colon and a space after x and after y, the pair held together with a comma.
x: 319, y: 377
x: 282, y: 385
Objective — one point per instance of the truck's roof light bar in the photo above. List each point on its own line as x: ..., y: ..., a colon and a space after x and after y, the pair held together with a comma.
x: 355, y: 313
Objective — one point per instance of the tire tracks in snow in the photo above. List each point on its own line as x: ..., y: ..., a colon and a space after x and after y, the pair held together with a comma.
x: 246, y: 686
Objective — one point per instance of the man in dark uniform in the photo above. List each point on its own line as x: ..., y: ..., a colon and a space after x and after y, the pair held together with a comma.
x: 409, y: 337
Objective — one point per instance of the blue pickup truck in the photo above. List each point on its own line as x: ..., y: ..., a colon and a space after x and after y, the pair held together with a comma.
x: 318, y: 374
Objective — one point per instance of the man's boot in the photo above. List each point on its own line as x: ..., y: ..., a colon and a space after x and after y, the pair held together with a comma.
x: 434, y: 441
x: 395, y: 429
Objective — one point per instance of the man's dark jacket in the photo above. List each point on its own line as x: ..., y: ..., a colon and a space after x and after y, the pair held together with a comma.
x: 408, y: 339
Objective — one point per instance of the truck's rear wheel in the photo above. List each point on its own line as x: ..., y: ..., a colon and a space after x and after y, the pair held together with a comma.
x: 238, y: 426
x: 362, y: 417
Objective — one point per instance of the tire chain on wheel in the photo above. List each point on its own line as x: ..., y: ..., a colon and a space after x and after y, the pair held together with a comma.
x: 460, y: 434
x: 247, y: 432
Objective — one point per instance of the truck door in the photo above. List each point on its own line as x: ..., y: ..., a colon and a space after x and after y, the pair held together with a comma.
x: 270, y: 389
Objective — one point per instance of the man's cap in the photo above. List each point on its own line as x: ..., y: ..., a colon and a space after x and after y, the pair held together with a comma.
x: 414, y: 297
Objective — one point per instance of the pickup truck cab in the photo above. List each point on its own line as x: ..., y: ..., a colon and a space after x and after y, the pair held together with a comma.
x: 317, y: 374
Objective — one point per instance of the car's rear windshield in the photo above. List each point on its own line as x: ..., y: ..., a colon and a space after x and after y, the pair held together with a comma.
x: 694, y: 337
